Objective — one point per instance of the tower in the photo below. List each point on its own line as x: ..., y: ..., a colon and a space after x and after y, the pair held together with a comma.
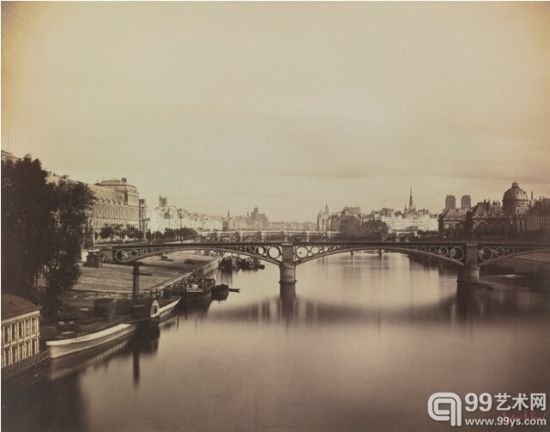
x: 465, y: 202
x: 450, y: 202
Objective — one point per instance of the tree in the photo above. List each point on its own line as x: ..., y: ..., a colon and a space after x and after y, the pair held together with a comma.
x: 186, y: 233
x: 111, y: 230
x: 375, y: 229
x: 44, y: 227
x: 106, y: 232
x: 350, y: 226
x: 27, y: 216
x: 72, y: 201
x: 133, y: 232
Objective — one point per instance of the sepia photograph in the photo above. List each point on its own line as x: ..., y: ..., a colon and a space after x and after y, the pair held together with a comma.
x: 261, y: 216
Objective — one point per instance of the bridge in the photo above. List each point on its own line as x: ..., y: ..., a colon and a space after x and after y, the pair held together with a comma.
x: 468, y: 257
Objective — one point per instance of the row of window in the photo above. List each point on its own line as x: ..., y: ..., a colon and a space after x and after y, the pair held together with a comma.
x: 20, y: 329
x: 113, y: 211
x: 21, y: 351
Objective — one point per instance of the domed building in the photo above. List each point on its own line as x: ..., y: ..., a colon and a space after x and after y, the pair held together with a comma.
x: 515, y: 200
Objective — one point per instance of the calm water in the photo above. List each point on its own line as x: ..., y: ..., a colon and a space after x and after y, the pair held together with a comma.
x: 361, y: 348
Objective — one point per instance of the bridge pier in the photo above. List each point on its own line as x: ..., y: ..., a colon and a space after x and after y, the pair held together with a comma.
x: 469, y: 274
x: 287, y: 267
x: 288, y: 273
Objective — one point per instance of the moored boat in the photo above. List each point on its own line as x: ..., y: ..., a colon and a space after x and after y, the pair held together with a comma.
x: 220, y: 292
x: 197, y: 290
x: 167, y: 306
x: 71, y: 342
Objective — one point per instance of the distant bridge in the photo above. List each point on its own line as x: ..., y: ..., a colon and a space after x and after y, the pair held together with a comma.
x: 468, y: 257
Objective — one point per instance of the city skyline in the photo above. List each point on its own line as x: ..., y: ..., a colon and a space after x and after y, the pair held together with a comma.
x: 464, y: 201
x: 213, y: 120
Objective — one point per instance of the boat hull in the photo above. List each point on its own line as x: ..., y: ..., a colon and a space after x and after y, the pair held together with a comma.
x: 66, y: 347
x: 167, y: 309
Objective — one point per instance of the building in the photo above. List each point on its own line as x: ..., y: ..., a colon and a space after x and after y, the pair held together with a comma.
x: 323, y: 219
x: 488, y: 219
x: 20, y: 331
x: 451, y: 222
x: 466, y: 202
x: 252, y: 221
x: 537, y: 219
x: 516, y: 217
x: 143, y: 219
x: 410, y: 208
x: 515, y: 201
x: 169, y: 217
x: 411, y: 222
x: 117, y: 203
x: 450, y: 202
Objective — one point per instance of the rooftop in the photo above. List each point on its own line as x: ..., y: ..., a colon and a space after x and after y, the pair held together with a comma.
x: 13, y: 306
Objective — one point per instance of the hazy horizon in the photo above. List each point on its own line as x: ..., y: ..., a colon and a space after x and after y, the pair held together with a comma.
x: 283, y: 106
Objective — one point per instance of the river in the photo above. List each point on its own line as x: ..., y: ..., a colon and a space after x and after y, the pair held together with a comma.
x: 361, y: 348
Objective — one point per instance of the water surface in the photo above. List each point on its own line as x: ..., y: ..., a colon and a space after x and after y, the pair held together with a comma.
x: 362, y: 346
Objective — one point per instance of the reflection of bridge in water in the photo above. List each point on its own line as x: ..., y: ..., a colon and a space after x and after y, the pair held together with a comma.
x: 467, y: 257
x: 466, y: 305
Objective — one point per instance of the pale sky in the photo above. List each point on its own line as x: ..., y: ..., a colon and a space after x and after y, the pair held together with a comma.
x: 288, y: 106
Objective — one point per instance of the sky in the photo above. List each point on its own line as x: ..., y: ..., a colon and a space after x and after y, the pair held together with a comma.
x: 288, y: 106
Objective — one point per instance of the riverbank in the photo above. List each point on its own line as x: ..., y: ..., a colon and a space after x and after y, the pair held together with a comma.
x: 532, y: 263
x: 156, y: 274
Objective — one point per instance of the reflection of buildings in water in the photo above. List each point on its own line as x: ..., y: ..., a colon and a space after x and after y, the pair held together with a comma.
x: 468, y: 304
x: 480, y: 303
x: 47, y: 406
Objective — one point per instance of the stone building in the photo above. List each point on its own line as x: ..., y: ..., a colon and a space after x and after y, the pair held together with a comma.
x: 450, y: 202
x: 20, y: 331
x: 117, y: 203
x: 165, y: 216
x: 143, y: 219
x: 254, y: 220
x: 489, y: 219
x: 451, y: 222
x: 515, y: 201
x: 466, y: 202
x: 537, y: 219
x: 323, y: 219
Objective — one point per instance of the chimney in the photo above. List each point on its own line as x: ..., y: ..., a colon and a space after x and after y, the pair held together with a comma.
x: 124, y: 179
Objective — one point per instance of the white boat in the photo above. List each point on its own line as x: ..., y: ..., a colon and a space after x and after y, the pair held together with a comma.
x: 62, y: 347
x: 169, y: 307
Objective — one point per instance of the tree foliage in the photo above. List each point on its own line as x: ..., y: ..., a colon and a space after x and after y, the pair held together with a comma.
x: 71, y: 202
x: 111, y: 231
x: 27, y: 215
x: 371, y: 229
x: 44, y: 227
